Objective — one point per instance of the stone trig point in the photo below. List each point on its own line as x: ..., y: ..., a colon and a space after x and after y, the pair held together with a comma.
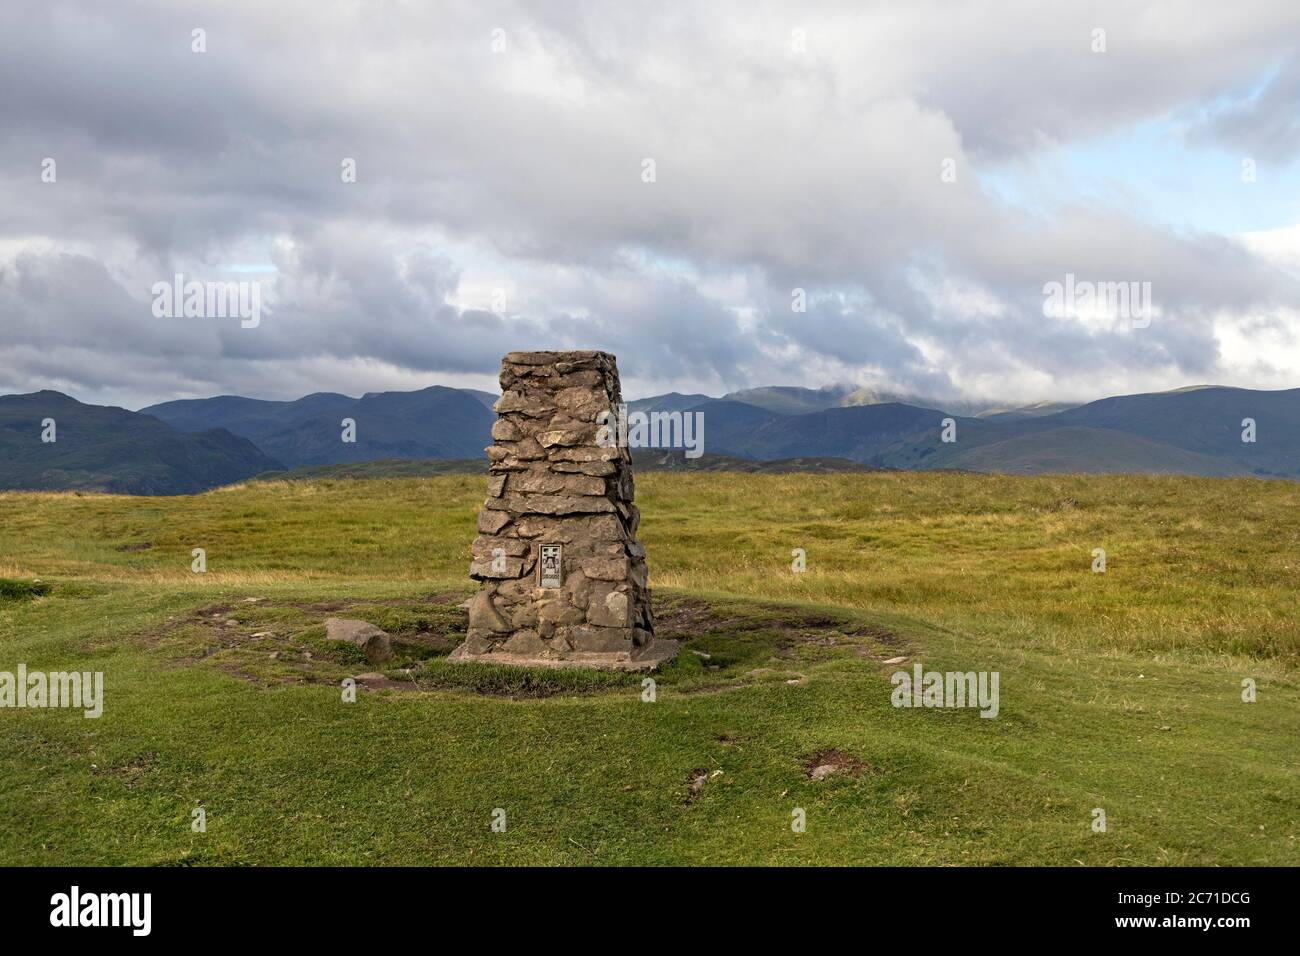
x: 562, y: 578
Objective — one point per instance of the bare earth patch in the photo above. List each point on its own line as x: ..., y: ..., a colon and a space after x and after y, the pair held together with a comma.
x: 131, y: 771
x: 697, y: 780
x: 824, y: 763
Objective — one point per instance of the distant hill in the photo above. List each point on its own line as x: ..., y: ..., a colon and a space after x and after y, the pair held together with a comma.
x: 671, y: 402
x: 1189, y: 431
x: 644, y: 460
x: 1207, y: 420
x: 791, y: 399
x: 1035, y: 410
x: 251, y: 418
x: 1085, y: 450
x: 871, y: 396
x: 434, y: 422
x: 111, y: 449
x: 862, y: 433
x: 191, y: 445
x: 729, y: 424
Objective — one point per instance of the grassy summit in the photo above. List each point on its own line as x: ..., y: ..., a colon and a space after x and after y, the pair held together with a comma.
x: 1119, y: 690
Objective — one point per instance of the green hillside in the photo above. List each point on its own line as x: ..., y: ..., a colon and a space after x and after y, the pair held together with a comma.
x: 1208, y: 421
x: 1092, y: 451
x: 1120, y: 691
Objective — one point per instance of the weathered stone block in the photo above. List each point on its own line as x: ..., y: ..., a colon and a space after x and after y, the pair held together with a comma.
x: 525, y: 616
x: 600, y: 640
x: 583, y: 377
x: 606, y: 569
x: 568, y: 436
x: 585, y: 453
x: 483, y: 614
x: 597, y: 469
x: 543, y: 504
x: 560, y: 612
x: 487, y: 545
x: 503, y: 429
x: 551, y: 483
x: 529, y: 448
x: 608, y: 608
x: 525, y: 644
x: 524, y: 402
x: 492, y: 568
x: 529, y: 358
x: 475, y: 644
x: 490, y: 522
x: 577, y: 588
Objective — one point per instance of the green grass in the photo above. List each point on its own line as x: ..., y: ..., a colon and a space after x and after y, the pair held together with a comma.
x: 1119, y: 690
x: 11, y: 590
x: 380, y: 468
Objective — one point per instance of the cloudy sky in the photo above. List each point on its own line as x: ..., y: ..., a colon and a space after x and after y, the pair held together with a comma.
x: 920, y: 170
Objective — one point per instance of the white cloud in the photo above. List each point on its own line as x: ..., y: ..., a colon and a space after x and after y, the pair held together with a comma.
x: 520, y: 171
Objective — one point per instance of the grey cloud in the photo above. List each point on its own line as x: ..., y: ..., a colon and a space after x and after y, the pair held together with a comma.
x: 774, y: 171
x: 1265, y: 127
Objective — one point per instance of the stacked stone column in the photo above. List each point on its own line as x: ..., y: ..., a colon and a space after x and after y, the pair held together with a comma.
x: 557, y: 480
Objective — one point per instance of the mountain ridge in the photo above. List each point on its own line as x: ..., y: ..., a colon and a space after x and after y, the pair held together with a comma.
x: 432, y: 422
x: 110, y: 449
x: 190, y: 445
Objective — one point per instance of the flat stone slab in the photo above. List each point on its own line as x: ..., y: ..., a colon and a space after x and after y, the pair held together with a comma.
x: 658, y: 651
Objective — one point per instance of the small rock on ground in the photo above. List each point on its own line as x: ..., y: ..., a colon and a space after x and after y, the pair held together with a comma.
x: 375, y: 643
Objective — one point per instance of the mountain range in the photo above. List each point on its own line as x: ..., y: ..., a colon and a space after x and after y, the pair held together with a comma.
x: 186, y: 446
x: 433, y: 422
x: 49, y: 441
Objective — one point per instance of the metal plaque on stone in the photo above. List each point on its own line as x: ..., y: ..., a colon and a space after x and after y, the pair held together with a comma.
x: 549, y: 566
